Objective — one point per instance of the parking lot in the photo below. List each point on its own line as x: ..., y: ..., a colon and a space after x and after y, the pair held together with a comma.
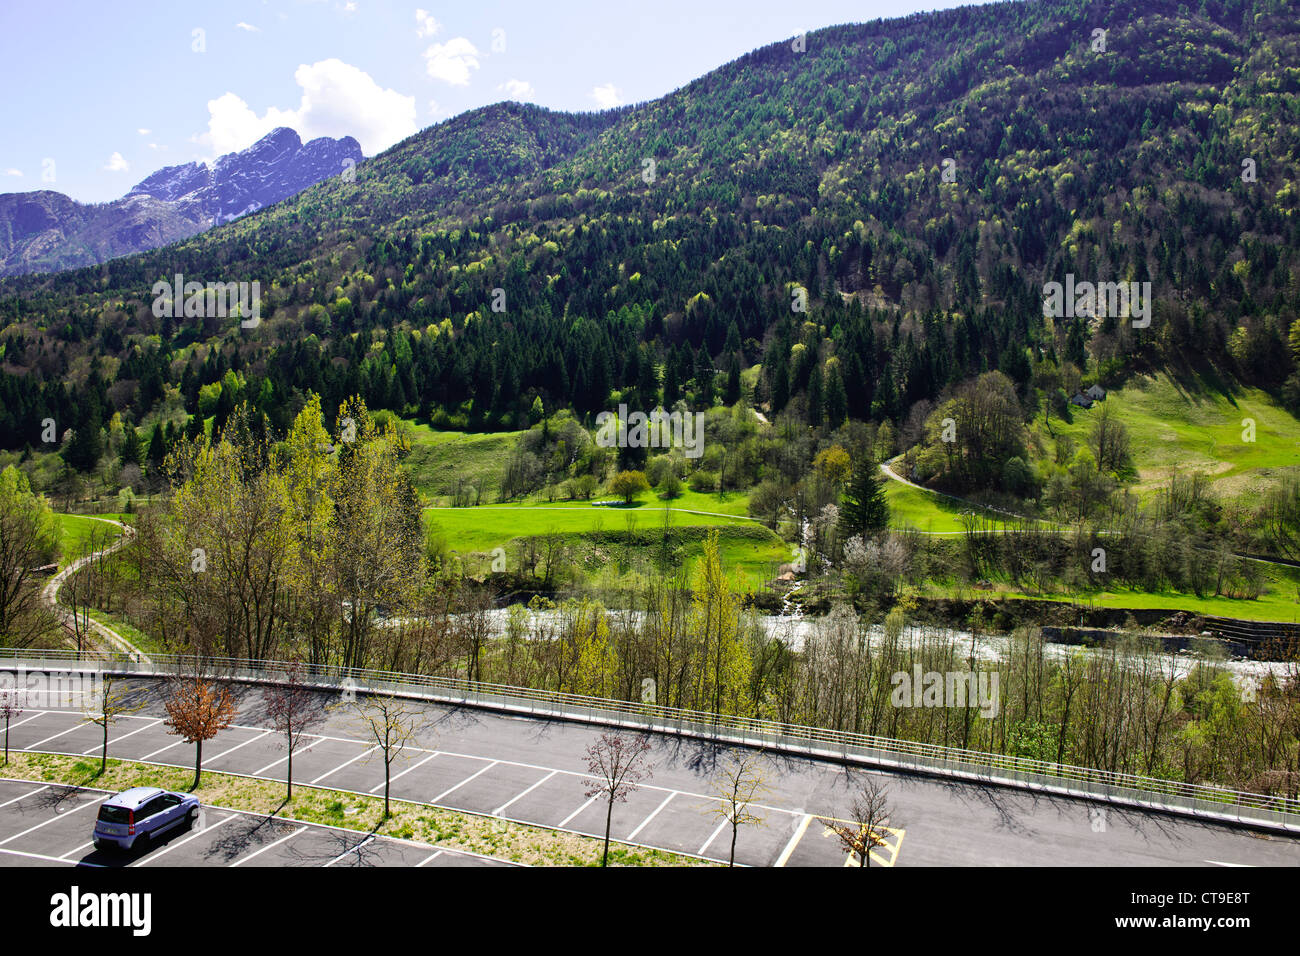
x: 534, y: 770
x: 50, y: 825
x: 533, y: 781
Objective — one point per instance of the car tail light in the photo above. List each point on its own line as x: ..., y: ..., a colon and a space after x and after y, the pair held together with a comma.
x: 130, y: 823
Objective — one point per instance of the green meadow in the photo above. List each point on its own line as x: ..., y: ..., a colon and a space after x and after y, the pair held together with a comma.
x: 77, y: 534
x: 1174, y: 429
x: 438, y: 458
x: 747, y: 547
x: 928, y: 511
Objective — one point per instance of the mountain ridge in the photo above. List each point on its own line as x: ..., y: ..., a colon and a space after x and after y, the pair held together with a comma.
x: 45, y: 230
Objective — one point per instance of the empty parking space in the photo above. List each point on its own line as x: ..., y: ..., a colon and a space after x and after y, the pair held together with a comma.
x: 491, y: 785
x: 429, y: 779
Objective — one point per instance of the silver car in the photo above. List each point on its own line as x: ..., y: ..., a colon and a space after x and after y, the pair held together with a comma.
x: 135, y: 817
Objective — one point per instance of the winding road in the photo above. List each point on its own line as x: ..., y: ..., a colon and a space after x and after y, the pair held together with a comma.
x: 50, y: 593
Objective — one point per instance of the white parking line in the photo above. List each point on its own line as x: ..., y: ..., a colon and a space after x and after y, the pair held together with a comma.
x: 212, y: 760
x: 48, y: 859
x: 712, y: 836
x: 297, y: 752
x: 344, y: 764
x: 502, y: 809
x: 84, y: 846
x: 59, y: 816
x: 100, y: 746
x: 590, y: 801
x: 430, y: 858
x: 159, y: 750
x: 354, y: 849
x: 794, y: 840
x: 380, y: 786
x: 56, y: 736
x: 30, y: 793
x: 269, y: 846
x: 27, y: 719
x: 465, y: 781
x: 175, y: 843
x: 654, y: 813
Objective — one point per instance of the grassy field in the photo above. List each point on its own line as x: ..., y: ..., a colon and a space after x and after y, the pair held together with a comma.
x: 927, y: 511
x: 1279, y: 602
x: 1173, y: 429
x: 77, y: 534
x: 485, y: 527
x: 437, y: 458
x: 746, y: 546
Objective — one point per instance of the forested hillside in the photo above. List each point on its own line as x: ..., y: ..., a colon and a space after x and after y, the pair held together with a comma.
x: 652, y: 253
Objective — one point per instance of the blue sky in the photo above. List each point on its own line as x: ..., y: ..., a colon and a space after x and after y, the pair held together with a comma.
x: 99, y: 95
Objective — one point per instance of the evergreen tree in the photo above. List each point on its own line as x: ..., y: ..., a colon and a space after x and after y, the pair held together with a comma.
x: 130, y: 446
x: 815, y: 396
x: 84, y: 450
x: 157, y: 446
x: 836, y: 402
x: 732, y: 394
x: 864, y: 510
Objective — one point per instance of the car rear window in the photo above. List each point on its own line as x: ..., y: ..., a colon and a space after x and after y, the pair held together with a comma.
x: 114, y: 814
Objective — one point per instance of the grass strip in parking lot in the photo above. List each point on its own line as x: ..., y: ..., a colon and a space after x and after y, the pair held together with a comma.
x: 446, y: 829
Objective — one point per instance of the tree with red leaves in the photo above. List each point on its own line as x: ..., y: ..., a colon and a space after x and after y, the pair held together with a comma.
x: 198, y: 709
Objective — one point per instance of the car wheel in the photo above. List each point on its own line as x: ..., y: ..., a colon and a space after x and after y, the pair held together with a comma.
x: 142, y: 843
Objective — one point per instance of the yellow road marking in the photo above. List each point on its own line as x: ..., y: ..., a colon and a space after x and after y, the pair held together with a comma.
x: 891, y: 849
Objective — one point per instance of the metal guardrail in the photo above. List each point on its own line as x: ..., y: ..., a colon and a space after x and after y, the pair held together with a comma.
x: 1255, y: 809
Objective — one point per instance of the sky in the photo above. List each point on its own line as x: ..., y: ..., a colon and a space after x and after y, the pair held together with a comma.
x: 99, y: 95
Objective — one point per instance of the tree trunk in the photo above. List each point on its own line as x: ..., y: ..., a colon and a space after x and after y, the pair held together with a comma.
x: 731, y: 861
x: 609, y: 817
x: 289, y: 780
x: 103, y: 756
x: 198, y: 763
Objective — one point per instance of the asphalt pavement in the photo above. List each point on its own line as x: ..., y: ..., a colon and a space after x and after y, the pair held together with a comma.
x: 535, y: 770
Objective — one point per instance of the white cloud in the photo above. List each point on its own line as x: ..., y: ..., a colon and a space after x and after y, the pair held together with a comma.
x: 13, y: 172
x: 144, y: 132
x: 434, y: 108
x: 425, y: 24
x: 337, y: 100
x: 452, y: 61
x: 607, y: 96
x: 116, y: 164
x: 156, y: 146
x: 241, y: 25
x: 349, y: 7
x: 520, y: 90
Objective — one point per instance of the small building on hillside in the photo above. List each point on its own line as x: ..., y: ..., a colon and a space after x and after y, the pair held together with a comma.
x: 1082, y: 400
x: 1096, y: 393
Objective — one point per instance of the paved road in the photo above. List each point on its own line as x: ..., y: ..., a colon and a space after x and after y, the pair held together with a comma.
x: 532, y: 770
x: 47, y: 825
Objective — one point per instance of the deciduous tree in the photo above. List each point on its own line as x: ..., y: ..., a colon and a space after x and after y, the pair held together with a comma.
x: 617, y: 766
x: 294, y: 710
x: 738, y: 782
x: 868, y: 816
x: 198, y: 709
